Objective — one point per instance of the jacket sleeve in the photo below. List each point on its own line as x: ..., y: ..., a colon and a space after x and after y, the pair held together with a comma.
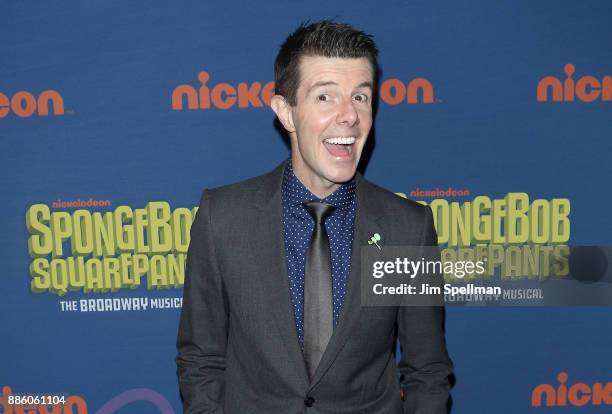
x: 203, y: 328
x: 424, y: 366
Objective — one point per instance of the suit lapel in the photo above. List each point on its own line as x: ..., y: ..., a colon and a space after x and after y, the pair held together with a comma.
x: 271, y: 254
x: 367, y: 220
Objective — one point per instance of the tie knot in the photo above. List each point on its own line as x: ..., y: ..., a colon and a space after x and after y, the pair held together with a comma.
x: 319, y: 210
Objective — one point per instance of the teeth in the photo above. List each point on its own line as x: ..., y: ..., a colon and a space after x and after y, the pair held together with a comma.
x: 341, y: 140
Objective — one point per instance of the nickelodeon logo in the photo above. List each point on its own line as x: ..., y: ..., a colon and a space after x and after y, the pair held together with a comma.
x: 222, y: 95
x: 577, y: 395
x: 256, y: 94
x: 586, y: 89
x: 24, y: 104
x: 395, y: 92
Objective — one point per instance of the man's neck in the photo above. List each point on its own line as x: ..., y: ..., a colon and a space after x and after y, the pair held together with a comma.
x: 316, y: 185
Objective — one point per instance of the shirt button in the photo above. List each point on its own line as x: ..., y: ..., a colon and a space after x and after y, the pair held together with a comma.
x: 308, y: 402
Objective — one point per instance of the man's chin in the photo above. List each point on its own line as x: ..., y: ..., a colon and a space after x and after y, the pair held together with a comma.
x: 341, y: 177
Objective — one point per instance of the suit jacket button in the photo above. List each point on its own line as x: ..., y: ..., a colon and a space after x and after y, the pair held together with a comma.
x: 308, y: 402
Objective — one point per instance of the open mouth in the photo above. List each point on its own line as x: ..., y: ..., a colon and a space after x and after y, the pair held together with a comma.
x: 339, y: 146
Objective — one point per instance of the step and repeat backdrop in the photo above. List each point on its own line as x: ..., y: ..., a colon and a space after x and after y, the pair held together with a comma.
x: 114, y: 117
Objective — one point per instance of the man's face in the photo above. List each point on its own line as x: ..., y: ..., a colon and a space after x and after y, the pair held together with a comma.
x: 331, y: 120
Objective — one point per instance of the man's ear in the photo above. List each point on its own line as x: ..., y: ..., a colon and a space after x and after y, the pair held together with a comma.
x: 282, y: 109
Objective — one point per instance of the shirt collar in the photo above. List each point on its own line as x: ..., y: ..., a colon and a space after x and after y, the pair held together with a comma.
x: 295, y: 193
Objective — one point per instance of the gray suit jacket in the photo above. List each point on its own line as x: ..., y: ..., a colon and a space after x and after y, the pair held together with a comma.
x: 238, y: 351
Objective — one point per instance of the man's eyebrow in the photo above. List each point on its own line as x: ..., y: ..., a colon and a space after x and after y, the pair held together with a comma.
x: 319, y: 84
x: 366, y: 84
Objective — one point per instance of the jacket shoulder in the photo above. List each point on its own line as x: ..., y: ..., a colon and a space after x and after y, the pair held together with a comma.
x: 244, y: 193
x: 392, y: 203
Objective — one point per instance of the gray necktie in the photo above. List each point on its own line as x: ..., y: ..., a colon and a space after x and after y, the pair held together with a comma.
x: 318, y: 312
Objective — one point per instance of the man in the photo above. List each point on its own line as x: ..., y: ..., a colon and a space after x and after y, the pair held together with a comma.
x: 272, y: 320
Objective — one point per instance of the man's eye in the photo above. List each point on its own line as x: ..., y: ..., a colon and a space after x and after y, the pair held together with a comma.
x: 361, y: 98
x: 323, y: 97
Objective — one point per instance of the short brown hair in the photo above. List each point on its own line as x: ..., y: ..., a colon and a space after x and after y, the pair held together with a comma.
x: 326, y: 38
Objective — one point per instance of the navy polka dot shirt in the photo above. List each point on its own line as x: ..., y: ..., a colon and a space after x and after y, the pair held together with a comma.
x: 298, y: 228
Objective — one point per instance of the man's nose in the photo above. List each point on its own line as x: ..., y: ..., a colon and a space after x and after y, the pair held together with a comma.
x: 347, y: 114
